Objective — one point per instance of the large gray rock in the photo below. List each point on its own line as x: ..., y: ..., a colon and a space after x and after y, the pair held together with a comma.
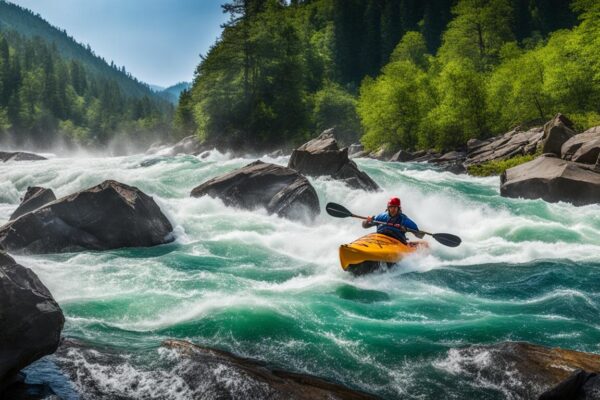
x: 522, y: 369
x: 556, y: 132
x: 322, y: 157
x: 513, y: 143
x: 19, y: 156
x: 588, y: 152
x: 571, y: 146
x: 402, y: 156
x: 35, y: 197
x: 189, y: 371
x: 279, y: 190
x: 552, y: 179
x: 107, y: 216
x: 30, y: 320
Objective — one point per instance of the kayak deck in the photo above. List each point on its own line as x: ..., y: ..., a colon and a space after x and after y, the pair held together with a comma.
x: 371, y: 251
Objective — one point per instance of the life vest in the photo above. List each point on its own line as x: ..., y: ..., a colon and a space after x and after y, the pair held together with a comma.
x: 391, y: 230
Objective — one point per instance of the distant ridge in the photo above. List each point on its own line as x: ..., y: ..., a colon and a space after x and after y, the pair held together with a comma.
x: 172, y: 93
x: 26, y: 23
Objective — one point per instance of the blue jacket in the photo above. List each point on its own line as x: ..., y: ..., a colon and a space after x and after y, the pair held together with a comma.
x: 392, y: 231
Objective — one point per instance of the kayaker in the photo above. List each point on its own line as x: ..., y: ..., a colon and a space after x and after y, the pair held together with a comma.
x: 393, y: 215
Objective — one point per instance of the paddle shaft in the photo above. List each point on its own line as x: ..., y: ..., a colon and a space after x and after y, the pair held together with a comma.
x: 394, y: 225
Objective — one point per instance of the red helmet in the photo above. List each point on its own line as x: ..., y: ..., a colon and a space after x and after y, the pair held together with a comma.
x: 394, y: 202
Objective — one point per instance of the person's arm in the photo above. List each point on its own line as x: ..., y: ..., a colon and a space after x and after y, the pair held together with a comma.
x: 410, y: 224
x: 367, y: 223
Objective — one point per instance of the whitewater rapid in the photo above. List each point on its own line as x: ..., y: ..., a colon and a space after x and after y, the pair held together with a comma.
x: 269, y: 288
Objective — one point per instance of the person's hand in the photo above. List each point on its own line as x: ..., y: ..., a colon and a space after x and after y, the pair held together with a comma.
x: 402, y: 228
x: 369, y: 219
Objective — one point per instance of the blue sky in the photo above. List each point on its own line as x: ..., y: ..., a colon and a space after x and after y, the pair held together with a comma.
x: 158, y: 41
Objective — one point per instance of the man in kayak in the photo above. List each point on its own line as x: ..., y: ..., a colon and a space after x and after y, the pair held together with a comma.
x: 396, y: 222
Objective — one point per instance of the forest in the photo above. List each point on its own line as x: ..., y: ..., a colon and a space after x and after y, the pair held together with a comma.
x: 395, y: 73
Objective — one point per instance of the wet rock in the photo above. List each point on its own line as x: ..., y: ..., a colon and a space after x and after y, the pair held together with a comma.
x: 522, y: 369
x: 588, y: 152
x: 552, y: 179
x: 383, y: 154
x: 35, y: 197
x: 19, y: 156
x: 280, y: 190
x: 322, y: 157
x: 556, y: 132
x: 571, y: 146
x: 31, y: 321
x: 107, y: 216
x: 451, y: 162
x: 580, y: 385
x: 254, y: 379
x: 508, y: 145
x: 355, y: 148
x: 426, y: 156
x: 190, y: 372
x: 402, y: 156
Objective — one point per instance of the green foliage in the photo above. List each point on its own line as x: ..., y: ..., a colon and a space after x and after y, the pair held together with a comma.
x: 428, y: 74
x: 412, y: 48
x: 498, y: 167
x: 44, y: 97
x: 392, y: 106
x: 477, y: 32
x: 482, y: 82
x: 334, y: 107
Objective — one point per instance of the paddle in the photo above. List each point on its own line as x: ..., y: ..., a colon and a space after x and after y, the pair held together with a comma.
x: 339, y: 211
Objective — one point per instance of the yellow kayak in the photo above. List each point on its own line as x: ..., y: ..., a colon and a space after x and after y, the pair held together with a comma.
x: 367, y: 253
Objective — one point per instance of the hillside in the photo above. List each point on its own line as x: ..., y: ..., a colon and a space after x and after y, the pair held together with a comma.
x: 172, y: 93
x: 18, y: 19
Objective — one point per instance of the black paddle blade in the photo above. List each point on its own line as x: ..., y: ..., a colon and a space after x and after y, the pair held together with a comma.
x: 447, y: 239
x: 338, y: 211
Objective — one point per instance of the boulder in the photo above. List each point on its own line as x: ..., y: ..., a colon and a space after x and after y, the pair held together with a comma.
x: 580, y: 385
x: 189, y: 371
x: 556, y: 132
x: 426, y: 156
x: 552, y: 179
x: 451, y: 162
x: 19, y: 156
x: 355, y: 148
x: 257, y: 380
x: 107, y: 216
x: 402, y: 156
x: 35, y: 197
x: 588, y: 152
x: 570, y: 147
x: 322, y: 157
x: 279, y: 190
x: 30, y: 320
x: 522, y: 369
x: 383, y: 153
x: 508, y: 145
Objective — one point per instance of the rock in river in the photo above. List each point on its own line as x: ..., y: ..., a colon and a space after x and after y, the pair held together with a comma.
x: 552, y: 179
x: 107, y: 216
x: 34, y: 198
x: 30, y: 320
x: 278, y: 189
x: 322, y: 157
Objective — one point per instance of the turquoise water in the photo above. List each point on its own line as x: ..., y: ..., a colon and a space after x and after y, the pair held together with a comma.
x: 272, y: 289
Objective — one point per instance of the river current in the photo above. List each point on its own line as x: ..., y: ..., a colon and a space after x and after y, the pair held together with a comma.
x: 272, y: 289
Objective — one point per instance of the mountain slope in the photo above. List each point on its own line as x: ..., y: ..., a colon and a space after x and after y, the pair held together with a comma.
x: 28, y: 24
